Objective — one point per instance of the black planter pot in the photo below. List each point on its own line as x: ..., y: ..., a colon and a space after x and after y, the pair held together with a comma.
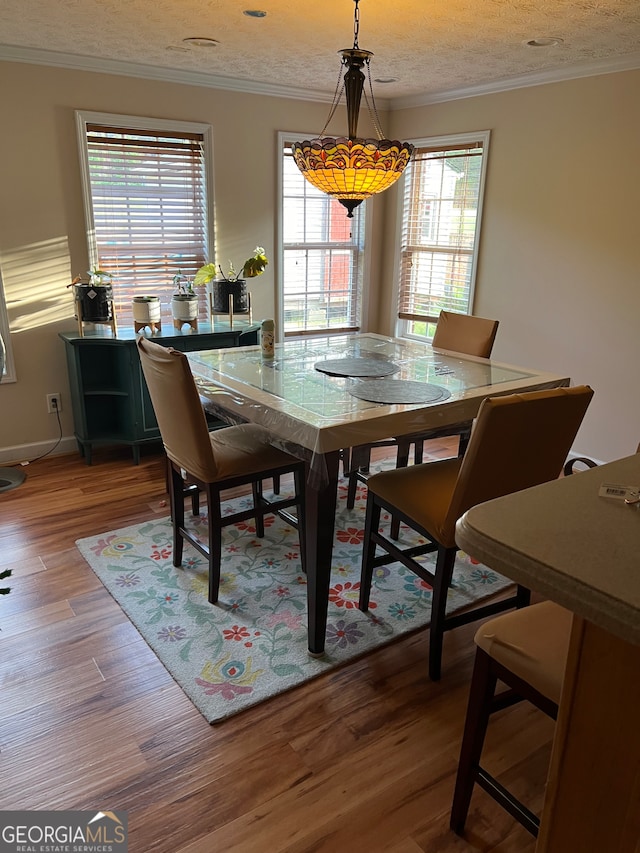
x: 223, y: 291
x: 93, y: 302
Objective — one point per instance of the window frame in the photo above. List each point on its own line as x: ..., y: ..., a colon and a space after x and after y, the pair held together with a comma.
x: 401, y: 325
x: 285, y: 138
x: 144, y: 124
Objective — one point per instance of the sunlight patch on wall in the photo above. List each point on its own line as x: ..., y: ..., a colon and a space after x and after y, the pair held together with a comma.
x: 35, y: 284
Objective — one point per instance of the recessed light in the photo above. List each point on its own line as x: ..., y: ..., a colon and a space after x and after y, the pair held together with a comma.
x: 385, y: 79
x: 201, y: 41
x: 254, y: 13
x: 545, y: 41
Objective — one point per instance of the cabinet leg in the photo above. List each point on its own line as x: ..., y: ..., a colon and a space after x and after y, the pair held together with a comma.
x: 136, y: 454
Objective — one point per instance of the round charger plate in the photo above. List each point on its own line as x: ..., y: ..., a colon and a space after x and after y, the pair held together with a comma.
x: 357, y: 366
x: 398, y: 391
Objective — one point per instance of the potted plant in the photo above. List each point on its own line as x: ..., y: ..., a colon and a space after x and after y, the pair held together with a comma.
x: 233, y: 285
x: 184, y: 302
x: 94, y: 298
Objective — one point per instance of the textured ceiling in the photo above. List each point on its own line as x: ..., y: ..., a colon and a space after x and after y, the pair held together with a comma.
x: 430, y: 46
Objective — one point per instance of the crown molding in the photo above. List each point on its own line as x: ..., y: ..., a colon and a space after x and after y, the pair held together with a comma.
x: 36, y: 56
x: 594, y: 68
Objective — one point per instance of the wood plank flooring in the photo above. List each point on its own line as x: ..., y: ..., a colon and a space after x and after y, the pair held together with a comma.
x: 361, y: 759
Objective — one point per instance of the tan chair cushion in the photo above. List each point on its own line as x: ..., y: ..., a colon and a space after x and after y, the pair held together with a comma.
x: 532, y: 643
x: 246, y: 449
x: 423, y: 492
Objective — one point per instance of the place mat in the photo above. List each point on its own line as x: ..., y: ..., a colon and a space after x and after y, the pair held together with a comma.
x: 398, y: 391
x: 357, y: 366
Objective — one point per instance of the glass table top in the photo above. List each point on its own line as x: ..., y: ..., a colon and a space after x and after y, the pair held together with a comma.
x: 293, y: 378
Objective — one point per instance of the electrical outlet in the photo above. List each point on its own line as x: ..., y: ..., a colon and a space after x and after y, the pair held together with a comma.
x: 54, y: 403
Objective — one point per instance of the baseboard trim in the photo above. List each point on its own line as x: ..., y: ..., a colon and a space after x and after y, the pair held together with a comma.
x: 21, y: 454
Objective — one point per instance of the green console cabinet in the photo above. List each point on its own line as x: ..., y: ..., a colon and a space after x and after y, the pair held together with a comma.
x: 109, y: 396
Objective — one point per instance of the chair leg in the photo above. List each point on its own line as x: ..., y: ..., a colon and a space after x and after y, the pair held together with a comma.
x: 372, y: 523
x: 402, y: 458
x: 258, y: 505
x: 418, y: 451
x: 195, y: 502
x: 351, y: 489
x: 443, y: 574
x: 176, y: 501
x: 299, y: 485
x: 276, y: 484
x: 215, y: 543
x: 395, y: 528
x: 523, y: 597
x: 345, y: 456
x: 483, y: 685
x: 360, y: 461
x: 402, y: 461
x: 464, y: 441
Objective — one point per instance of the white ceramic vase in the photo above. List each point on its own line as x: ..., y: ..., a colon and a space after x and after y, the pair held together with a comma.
x: 184, y: 307
x: 146, y: 309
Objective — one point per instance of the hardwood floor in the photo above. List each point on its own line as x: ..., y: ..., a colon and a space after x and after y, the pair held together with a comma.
x: 361, y: 759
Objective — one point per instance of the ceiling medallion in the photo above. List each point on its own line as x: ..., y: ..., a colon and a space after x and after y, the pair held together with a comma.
x: 201, y: 41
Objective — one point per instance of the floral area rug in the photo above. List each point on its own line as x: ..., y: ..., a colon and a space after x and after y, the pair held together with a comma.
x: 253, y: 643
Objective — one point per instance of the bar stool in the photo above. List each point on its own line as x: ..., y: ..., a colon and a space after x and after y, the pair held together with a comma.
x: 526, y: 650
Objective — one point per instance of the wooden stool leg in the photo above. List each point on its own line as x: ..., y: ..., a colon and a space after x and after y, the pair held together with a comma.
x: 176, y: 495
x: 372, y: 522
x: 443, y: 574
x: 483, y: 685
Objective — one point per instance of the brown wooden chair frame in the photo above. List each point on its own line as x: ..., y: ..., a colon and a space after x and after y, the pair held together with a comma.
x: 483, y: 702
x: 439, y: 580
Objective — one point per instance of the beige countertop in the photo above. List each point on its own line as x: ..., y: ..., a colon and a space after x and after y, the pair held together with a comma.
x: 565, y: 541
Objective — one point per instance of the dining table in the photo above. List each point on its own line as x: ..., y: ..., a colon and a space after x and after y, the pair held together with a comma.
x: 576, y: 541
x: 319, y: 396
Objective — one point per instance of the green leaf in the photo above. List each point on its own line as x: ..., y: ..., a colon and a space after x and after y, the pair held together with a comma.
x: 205, y: 274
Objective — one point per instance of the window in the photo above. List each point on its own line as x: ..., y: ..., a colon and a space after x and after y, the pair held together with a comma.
x: 147, y: 202
x: 441, y: 212
x: 322, y: 256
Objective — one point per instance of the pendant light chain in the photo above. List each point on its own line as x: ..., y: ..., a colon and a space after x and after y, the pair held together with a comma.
x: 373, y: 113
x: 337, y: 96
x: 356, y: 25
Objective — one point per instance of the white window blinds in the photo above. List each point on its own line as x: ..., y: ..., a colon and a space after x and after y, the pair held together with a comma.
x: 323, y: 254
x: 440, y: 229
x: 148, y: 202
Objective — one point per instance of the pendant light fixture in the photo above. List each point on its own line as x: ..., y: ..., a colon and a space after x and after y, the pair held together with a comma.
x: 351, y: 169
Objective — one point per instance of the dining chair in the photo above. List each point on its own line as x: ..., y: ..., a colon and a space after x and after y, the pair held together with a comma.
x: 212, y: 462
x: 518, y: 441
x: 527, y: 651
x: 462, y: 333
